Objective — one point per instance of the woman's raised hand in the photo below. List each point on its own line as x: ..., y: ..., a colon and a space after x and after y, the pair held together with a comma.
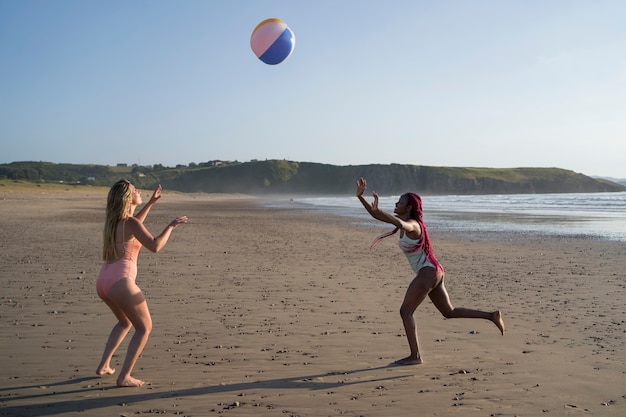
x: 375, y: 202
x: 156, y: 194
x: 361, y: 186
x: 179, y: 220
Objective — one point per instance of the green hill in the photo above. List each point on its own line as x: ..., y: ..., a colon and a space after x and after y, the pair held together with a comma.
x: 289, y: 177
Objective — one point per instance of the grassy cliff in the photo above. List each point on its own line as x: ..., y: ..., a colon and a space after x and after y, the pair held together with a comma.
x: 278, y: 177
x: 290, y: 177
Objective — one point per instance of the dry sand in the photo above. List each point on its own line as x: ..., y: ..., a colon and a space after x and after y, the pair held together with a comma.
x: 279, y: 312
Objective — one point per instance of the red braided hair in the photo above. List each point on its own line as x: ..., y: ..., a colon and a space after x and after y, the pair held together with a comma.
x: 415, y: 201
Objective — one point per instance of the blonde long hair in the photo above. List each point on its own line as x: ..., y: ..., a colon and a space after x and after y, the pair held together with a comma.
x: 118, y: 209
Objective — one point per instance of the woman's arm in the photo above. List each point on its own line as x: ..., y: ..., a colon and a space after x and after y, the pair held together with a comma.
x: 153, y: 244
x: 378, y: 214
x: 372, y: 208
x: 143, y: 213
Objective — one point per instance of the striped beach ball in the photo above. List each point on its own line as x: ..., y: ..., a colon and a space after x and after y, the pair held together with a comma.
x: 272, y: 41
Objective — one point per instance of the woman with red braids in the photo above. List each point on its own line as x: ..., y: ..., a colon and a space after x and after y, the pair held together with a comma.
x: 429, y: 279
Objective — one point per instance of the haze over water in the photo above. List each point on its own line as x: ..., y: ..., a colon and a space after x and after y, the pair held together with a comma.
x: 590, y: 215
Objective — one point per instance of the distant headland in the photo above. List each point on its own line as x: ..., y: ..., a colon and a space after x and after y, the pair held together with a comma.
x: 271, y: 177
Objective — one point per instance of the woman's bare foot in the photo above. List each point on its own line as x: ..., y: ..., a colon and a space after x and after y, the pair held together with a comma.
x: 496, y: 318
x: 130, y: 382
x: 409, y: 360
x: 105, y: 370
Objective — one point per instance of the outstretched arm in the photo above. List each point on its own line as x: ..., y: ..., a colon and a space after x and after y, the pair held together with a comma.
x: 377, y: 213
x: 156, y: 195
x: 153, y: 244
x: 372, y: 208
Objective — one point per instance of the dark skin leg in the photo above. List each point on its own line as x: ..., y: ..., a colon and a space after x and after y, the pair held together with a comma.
x: 429, y: 283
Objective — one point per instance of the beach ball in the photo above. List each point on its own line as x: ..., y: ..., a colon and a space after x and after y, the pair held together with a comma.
x: 272, y: 41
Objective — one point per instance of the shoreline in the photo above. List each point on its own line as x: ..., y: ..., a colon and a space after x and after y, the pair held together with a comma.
x: 445, y: 221
x: 274, y: 311
x: 596, y: 225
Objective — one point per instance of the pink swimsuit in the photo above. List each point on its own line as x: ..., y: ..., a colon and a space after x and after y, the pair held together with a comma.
x: 124, y: 267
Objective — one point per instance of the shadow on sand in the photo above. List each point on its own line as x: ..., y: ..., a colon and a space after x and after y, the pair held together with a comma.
x: 43, y: 404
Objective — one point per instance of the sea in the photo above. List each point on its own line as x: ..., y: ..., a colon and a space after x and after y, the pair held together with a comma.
x: 585, y: 215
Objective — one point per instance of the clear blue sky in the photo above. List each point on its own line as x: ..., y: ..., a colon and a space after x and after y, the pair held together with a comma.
x: 444, y: 83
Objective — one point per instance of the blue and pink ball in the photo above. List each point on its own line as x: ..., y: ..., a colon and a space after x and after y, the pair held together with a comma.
x: 272, y: 41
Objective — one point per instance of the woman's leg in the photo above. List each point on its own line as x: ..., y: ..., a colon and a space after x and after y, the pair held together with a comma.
x: 441, y: 300
x: 127, y: 296
x: 119, y: 331
x: 418, y: 289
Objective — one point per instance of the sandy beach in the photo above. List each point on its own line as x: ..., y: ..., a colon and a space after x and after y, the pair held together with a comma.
x: 278, y: 312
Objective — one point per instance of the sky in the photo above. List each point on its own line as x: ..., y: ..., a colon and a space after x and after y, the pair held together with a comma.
x: 500, y: 84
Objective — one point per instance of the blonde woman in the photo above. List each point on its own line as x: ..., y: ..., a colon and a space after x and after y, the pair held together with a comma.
x: 124, y: 235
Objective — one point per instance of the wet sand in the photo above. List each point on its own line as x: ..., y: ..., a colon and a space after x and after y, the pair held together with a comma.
x: 275, y: 312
